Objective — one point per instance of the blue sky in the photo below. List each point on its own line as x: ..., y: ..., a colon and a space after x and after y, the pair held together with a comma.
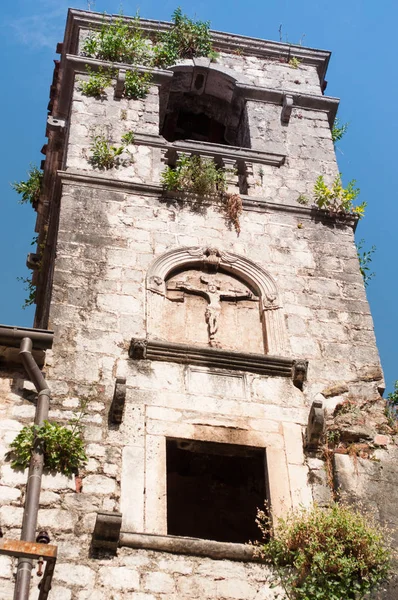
x: 362, y: 37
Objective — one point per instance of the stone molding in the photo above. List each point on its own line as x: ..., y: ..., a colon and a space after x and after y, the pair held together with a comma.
x: 78, y: 63
x: 226, y: 42
x: 298, y: 100
x: 263, y: 364
x: 248, y: 202
x: 233, y: 264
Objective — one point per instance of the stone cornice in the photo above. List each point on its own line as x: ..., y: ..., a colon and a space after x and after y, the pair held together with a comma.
x: 226, y: 42
x: 79, y: 63
x: 264, y: 364
x: 249, y: 202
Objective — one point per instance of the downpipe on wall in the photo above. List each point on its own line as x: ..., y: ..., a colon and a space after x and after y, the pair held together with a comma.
x: 31, y: 508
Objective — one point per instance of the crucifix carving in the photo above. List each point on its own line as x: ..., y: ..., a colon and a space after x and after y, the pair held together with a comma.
x: 214, y: 295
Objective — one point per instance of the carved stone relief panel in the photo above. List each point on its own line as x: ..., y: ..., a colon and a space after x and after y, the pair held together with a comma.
x: 211, y: 309
x: 210, y: 297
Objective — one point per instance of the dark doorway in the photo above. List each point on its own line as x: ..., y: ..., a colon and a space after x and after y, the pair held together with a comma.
x: 214, y: 490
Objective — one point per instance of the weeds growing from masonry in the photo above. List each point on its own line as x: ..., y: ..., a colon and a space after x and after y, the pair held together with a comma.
x: 62, y: 446
x: 331, y: 553
x: 201, y: 176
x: 30, y: 189
x: 123, y: 41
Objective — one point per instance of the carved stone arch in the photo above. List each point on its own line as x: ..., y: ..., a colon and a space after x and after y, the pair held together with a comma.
x: 234, y: 264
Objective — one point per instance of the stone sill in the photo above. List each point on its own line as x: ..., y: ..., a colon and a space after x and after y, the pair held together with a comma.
x: 186, y: 545
x: 143, y: 349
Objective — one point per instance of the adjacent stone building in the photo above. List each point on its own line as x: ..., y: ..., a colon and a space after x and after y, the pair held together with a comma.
x: 210, y: 361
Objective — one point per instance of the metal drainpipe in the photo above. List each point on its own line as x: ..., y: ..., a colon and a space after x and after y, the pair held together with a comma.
x: 29, y: 523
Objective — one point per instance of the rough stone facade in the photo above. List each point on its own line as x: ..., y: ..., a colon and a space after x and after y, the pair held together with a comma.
x: 302, y: 299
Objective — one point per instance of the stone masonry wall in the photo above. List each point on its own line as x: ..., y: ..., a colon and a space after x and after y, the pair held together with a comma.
x: 110, y: 232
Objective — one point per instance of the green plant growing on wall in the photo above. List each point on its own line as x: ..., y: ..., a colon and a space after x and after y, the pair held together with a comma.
x: 105, y: 155
x: 294, y: 62
x: 339, y: 201
x: 365, y: 258
x: 96, y: 84
x: 30, y: 288
x: 196, y: 175
x: 137, y: 84
x: 303, y: 199
x: 121, y: 40
x: 185, y: 39
x: 118, y: 40
x: 332, y: 553
x: 201, y: 176
x: 31, y: 188
x: 62, y: 446
x: 391, y: 409
x: 338, y: 130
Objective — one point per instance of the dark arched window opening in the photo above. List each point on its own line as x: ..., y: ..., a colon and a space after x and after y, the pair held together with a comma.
x: 202, y: 105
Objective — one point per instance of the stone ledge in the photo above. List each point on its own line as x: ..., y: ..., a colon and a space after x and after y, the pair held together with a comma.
x: 187, y: 545
x: 143, y: 349
x: 235, y: 153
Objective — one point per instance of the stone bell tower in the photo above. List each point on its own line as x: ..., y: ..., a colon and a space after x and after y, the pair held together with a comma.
x: 207, y: 352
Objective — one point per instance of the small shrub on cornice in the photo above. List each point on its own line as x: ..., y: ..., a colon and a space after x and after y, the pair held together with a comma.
x: 118, y: 41
x: 195, y: 175
x: 331, y: 553
x: 336, y: 199
x: 137, y: 84
x: 185, y: 39
x: 105, y: 155
x: 124, y: 41
x: 365, y: 258
x: 96, y: 84
x: 201, y: 176
x: 31, y: 188
x: 30, y: 288
x: 338, y: 130
x: 302, y: 199
x: 294, y: 62
x: 128, y: 138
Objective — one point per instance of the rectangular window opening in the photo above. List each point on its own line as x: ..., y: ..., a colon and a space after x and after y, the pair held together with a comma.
x: 214, y: 490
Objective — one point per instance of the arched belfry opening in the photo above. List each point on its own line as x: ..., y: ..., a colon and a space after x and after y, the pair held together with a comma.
x: 201, y: 103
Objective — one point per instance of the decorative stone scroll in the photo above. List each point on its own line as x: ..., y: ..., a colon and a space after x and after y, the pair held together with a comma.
x: 211, y: 259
